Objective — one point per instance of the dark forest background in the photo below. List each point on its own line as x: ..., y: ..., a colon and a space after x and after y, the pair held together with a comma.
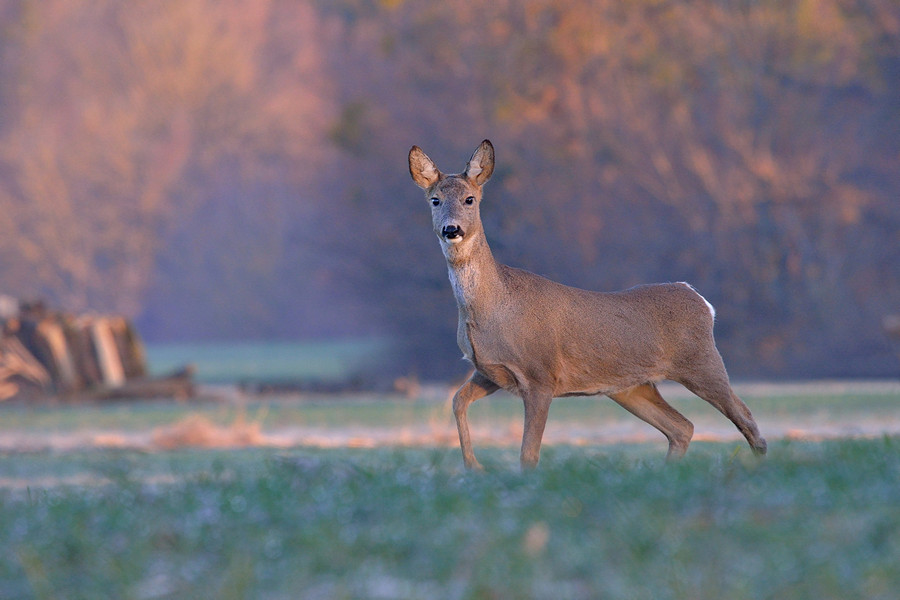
x: 226, y: 170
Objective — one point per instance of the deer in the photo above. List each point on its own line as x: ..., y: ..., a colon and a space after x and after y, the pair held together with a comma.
x: 540, y: 340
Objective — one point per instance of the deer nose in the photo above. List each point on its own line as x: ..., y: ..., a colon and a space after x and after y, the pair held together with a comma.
x: 451, y: 232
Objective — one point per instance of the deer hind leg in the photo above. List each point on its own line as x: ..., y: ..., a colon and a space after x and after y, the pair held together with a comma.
x: 646, y: 403
x: 477, y: 386
x: 712, y: 385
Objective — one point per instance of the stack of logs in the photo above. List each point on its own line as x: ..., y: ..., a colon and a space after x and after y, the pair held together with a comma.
x: 46, y: 353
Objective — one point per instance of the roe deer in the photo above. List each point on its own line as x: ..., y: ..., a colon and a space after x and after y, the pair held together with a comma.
x: 539, y: 339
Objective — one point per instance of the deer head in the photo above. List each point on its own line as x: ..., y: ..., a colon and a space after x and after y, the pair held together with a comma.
x: 454, y: 199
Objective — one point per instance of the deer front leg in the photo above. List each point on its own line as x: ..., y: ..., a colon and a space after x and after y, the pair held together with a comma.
x: 537, y: 408
x: 477, y: 386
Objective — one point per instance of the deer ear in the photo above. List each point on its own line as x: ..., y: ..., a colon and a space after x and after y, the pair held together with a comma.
x: 423, y: 170
x: 481, y: 165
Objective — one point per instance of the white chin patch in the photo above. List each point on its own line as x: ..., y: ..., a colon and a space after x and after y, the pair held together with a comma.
x: 452, y: 241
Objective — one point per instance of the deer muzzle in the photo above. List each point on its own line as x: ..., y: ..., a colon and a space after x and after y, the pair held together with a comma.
x: 452, y: 233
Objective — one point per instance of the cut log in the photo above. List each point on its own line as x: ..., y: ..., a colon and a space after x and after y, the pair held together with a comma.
x: 111, y: 371
x: 178, y: 385
x: 21, y: 374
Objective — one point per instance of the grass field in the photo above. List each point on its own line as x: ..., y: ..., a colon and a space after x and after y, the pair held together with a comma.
x: 319, y: 361
x: 88, y: 518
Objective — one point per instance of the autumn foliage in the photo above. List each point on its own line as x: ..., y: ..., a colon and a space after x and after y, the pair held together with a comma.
x: 224, y: 170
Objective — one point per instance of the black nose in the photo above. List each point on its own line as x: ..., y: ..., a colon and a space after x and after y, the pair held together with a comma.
x: 452, y: 231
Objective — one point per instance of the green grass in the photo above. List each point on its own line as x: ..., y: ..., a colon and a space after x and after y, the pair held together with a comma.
x: 392, y: 411
x: 268, y: 362
x: 813, y: 520
x: 389, y: 409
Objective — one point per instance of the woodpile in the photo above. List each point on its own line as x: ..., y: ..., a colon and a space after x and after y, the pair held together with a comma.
x: 47, y: 353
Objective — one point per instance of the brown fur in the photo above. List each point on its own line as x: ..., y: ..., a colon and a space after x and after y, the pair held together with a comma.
x: 540, y: 339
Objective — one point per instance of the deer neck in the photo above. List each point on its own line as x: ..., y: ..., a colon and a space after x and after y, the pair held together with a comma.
x: 475, y: 278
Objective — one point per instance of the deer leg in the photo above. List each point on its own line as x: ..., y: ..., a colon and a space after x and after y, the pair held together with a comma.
x: 712, y: 385
x: 477, y: 386
x: 537, y: 408
x: 646, y: 403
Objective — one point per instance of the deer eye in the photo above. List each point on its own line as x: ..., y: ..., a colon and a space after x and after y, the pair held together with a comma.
x: 435, y: 201
x: 470, y: 199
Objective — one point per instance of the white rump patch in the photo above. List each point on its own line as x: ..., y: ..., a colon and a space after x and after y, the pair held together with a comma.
x: 712, y: 310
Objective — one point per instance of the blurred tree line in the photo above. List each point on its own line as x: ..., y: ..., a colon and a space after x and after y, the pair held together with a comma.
x: 234, y: 169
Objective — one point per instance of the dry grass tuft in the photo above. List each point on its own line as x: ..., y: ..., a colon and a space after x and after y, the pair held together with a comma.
x: 199, y: 431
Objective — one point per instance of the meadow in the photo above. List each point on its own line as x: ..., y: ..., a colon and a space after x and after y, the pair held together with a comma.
x: 93, y: 505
